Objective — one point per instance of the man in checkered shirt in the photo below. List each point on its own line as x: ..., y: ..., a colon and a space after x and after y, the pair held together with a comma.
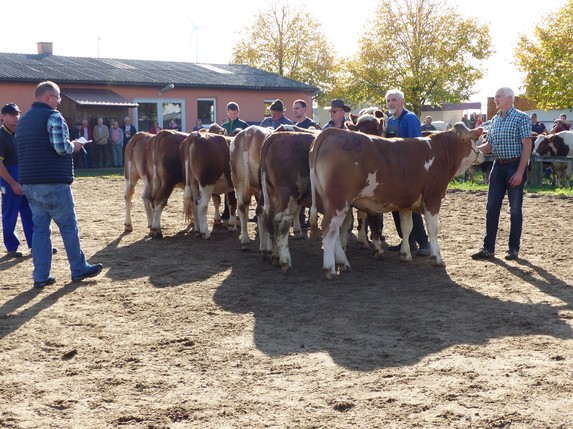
x: 509, y: 142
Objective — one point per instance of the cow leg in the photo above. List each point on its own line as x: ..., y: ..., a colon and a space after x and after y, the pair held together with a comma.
x: 296, y: 226
x: 362, y: 237
x: 205, y: 194
x: 232, y: 202
x: 406, y: 224
x: 432, y: 222
x: 128, y: 197
x: 147, y: 200
x: 345, y: 229
x: 375, y: 223
x: 282, y: 223
x: 216, y: 198
x: 331, y: 242
x: 243, y: 212
x: 156, y: 219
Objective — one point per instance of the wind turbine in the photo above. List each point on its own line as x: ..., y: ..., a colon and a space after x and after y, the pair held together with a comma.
x: 195, y: 33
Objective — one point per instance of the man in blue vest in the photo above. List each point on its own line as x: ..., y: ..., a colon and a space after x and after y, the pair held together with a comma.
x: 46, y: 173
x: 13, y: 200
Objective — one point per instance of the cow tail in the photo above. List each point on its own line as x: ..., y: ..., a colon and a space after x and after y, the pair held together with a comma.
x: 155, y: 182
x: 313, y: 219
x: 187, y: 193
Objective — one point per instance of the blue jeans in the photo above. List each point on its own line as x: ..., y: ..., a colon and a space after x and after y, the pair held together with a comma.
x: 54, y: 201
x: 12, y: 206
x: 498, y: 187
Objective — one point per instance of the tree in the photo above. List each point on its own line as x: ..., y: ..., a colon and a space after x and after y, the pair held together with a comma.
x: 288, y: 41
x: 423, y: 47
x: 547, y: 61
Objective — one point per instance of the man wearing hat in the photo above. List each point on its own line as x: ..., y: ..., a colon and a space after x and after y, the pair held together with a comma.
x: 337, y: 115
x: 277, y: 116
x: 13, y: 199
x: 536, y: 126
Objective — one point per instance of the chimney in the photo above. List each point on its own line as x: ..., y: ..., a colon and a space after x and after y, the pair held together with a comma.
x: 45, y: 48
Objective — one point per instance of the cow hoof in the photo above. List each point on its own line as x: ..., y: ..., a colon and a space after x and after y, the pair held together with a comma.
x: 128, y: 228
x: 343, y: 268
x: 328, y: 274
x: 285, y: 269
x: 245, y: 247
x: 156, y: 234
x: 405, y: 258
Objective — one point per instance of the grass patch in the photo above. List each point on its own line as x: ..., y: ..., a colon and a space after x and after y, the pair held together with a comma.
x: 99, y: 172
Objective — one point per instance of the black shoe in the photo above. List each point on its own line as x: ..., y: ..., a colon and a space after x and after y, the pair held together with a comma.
x: 92, y: 271
x: 511, y: 255
x: 49, y: 281
x: 424, y: 250
x: 483, y: 254
x: 396, y: 248
x: 15, y: 254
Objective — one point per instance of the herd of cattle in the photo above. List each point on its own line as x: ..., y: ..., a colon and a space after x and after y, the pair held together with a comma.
x: 286, y: 169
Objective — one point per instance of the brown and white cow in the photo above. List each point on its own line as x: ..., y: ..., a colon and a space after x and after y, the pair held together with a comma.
x: 559, y: 144
x: 207, y: 172
x: 378, y: 175
x: 285, y: 185
x: 245, y: 158
x: 133, y: 170
x: 163, y: 165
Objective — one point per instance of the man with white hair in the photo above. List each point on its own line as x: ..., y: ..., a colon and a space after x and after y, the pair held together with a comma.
x: 509, y: 142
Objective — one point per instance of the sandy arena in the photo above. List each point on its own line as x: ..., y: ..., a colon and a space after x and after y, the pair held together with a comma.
x: 188, y: 333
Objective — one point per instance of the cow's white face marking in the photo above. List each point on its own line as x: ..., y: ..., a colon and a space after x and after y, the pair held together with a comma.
x: 371, y: 185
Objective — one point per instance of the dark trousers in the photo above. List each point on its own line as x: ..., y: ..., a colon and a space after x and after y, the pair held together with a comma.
x: 418, y: 233
x: 498, y: 187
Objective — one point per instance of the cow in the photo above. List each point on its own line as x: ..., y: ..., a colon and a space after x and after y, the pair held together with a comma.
x: 163, y: 164
x: 245, y: 156
x: 285, y: 185
x: 207, y: 171
x: 559, y: 144
x: 377, y: 175
x: 133, y: 170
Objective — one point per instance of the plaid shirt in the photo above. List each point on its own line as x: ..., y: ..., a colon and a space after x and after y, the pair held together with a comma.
x: 506, y: 134
x: 59, y: 134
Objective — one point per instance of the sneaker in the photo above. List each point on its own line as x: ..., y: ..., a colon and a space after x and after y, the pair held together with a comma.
x: 424, y: 250
x: 92, y: 271
x: 49, y: 281
x: 15, y: 254
x: 511, y: 255
x: 483, y: 254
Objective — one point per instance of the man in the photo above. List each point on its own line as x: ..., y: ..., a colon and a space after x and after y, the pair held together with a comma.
x: 403, y: 123
x: 509, y: 142
x: 13, y: 200
x: 278, y: 117
x: 560, y: 124
x: 233, y: 124
x: 427, y: 125
x: 299, y: 113
x: 337, y: 115
x: 101, y: 144
x: 46, y: 173
x: 536, y: 126
x: 128, y: 132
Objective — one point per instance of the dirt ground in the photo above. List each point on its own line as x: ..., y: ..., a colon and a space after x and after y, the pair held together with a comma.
x: 188, y: 333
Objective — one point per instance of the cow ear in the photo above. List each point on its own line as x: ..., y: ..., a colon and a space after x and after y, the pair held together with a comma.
x: 353, y: 118
x: 379, y: 114
x: 351, y: 126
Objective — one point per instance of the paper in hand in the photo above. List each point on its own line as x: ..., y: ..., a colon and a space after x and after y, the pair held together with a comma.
x: 82, y: 140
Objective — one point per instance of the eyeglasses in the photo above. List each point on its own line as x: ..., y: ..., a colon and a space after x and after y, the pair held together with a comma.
x: 57, y: 97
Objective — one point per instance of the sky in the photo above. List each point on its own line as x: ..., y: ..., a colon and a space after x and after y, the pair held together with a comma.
x: 174, y: 30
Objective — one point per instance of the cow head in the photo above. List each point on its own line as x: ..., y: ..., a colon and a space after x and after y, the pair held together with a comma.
x: 367, y: 124
x: 542, y: 144
x: 471, y: 138
x: 215, y: 128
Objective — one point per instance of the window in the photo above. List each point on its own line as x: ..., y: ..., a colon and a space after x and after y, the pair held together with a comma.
x: 206, y: 110
x: 162, y: 111
x: 267, y: 110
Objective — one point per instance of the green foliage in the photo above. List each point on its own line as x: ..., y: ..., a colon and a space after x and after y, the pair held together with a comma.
x: 423, y: 47
x: 547, y: 60
x: 288, y: 41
